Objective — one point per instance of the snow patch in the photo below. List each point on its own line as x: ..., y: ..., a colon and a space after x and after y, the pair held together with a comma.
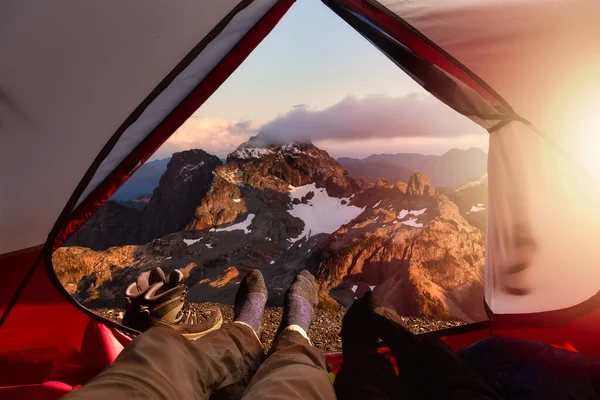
x: 378, y: 203
x: 168, y: 258
x: 404, y: 213
x: 322, y: 213
x: 237, y: 200
x: 291, y: 149
x: 187, y: 170
x: 395, y: 222
x: 239, y: 226
x: 272, y: 262
x: 209, y: 245
x: 412, y: 222
x: 251, y: 152
x: 372, y: 287
x: 477, y: 208
x: 190, y: 242
x: 354, y: 287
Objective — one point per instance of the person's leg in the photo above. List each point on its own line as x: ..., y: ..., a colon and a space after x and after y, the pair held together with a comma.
x: 365, y: 373
x: 294, y: 369
x: 426, y: 369
x: 162, y: 364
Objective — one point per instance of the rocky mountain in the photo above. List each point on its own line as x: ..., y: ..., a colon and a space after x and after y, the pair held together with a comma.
x: 181, y: 188
x: 413, y: 249
x: 143, y: 182
x: 452, y: 168
x: 282, y: 209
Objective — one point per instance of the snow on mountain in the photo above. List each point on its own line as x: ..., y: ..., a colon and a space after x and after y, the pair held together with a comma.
x: 187, y: 171
x: 190, y: 242
x: 244, y: 225
x: 477, y: 208
x: 250, y: 152
x: 402, y: 214
x: 321, y: 213
x: 412, y: 222
x: 483, y: 180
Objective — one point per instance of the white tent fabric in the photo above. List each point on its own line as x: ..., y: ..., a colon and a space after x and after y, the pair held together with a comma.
x: 543, y: 58
x: 71, y: 75
x: 543, y: 223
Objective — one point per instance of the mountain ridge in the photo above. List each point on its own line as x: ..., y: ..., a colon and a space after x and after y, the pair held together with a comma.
x: 453, y: 168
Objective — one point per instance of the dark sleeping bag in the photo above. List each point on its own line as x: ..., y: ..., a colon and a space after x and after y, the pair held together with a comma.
x: 527, y: 369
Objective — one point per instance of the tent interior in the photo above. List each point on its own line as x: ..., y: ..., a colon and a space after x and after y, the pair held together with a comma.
x: 86, y: 106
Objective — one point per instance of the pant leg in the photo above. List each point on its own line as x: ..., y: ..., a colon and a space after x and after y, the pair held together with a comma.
x: 294, y: 369
x: 162, y: 364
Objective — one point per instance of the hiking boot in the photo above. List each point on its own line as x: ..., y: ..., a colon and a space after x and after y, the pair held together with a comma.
x: 154, y: 300
x: 168, y: 306
x: 136, y: 316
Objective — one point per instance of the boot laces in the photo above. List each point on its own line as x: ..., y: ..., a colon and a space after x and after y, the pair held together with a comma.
x: 190, y: 316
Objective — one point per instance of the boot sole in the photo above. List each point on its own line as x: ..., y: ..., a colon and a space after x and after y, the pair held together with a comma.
x: 194, y: 336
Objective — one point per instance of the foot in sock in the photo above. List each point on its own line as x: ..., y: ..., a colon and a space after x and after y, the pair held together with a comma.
x: 300, y: 302
x: 250, y: 300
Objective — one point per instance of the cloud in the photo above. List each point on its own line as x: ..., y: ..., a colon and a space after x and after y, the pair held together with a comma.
x: 373, y: 117
x: 213, y: 135
x: 352, y: 127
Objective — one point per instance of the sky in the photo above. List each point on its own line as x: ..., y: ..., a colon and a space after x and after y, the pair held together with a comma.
x: 324, y: 82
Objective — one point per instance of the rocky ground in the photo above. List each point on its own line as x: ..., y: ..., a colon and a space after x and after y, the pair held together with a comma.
x: 324, y: 331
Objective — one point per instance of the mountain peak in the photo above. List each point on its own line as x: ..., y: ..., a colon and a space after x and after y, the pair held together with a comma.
x: 259, y: 147
x: 420, y: 185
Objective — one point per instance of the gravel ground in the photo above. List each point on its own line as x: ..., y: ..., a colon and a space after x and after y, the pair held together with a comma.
x: 324, y: 331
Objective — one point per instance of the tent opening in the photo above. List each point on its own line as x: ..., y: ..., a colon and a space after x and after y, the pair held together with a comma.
x: 365, y: 179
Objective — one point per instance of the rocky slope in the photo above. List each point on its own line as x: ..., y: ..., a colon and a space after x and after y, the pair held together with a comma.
x: 289, y: 207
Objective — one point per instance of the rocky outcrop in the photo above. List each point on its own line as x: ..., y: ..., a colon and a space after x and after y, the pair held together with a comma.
x: 182, y: 188
x: 364, y: 183
x: 419, y: 185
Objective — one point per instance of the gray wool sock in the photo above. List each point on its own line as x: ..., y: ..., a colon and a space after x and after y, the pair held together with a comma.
x: 250, y: 300
x: 301, y: 301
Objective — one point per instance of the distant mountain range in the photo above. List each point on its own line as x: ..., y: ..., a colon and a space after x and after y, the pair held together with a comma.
x: 143, y: 182
x: 452, y: 169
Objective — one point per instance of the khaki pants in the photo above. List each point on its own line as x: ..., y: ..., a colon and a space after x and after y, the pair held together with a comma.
x: 227, y: 363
